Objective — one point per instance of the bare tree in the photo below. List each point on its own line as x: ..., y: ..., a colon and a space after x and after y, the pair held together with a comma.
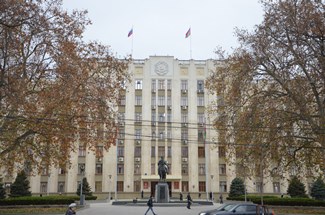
x: 272, y: 89
x: 54, y: 88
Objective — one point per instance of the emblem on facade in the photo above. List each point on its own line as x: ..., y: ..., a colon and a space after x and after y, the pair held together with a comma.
x: 161, y: 68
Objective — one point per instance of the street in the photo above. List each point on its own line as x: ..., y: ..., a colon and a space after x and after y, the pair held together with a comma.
x: 108, y: 208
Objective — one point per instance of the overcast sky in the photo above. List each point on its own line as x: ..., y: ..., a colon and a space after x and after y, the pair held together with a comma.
x: 159, y: 26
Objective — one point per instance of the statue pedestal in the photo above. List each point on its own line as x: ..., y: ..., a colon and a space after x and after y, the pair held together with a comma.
x: 162, y: 192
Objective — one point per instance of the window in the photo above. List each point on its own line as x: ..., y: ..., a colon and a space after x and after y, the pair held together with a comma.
x: 121, y: 133
x: 185, y: 186
x: 121, y: 117
x: 201, y: 169
x: 122, y: 100
x: 153, y: 169
x: 185, y: 151
x: 169, y: 151
x: 169, y: 168
x: 222, y: 152
x: 184, y: 134
x: 43, y: 187
x: 153, y: 85
x: 169, y: 84
x: 138, y: 84
x: 99, y: 151
x: 137, y: 169
x: 184, y: 85
x: 82, y: 151
x: 98, y: 186
x: 241, y: 208
x: 161, y: 151
x: 99, y: 168
x: 169, y: 117
x: 169, y: 101
x: 61, y: 187
x: 138, y: 117
x: 153, y: 134
x: 153, y: 117
x: 222, y: 169
x: 201, y: 118
x: 250, y: 208
x: 184, y: 118
x: 200, y: 85
x: 200, y: 100
x: 161, y: 100
x: 138, y: 134
x: 138, y: 100
x: 184, y: 101
x: 137, y: 151
x: 162, y: 117
x: 202, y: 186
x: 259, y: 187
x: 120, y: 185
x: 185, y: 169
x: 169, y: 133
x: 276, y: 187
x: 201, y: 152
x: 137, y: 186
x: 120, y: 169
x: 223, y: 186
x: 153, y: 101
x: 81, y: 168
x: 62, y: 171
x: 161, y: 84
x: 161, y: 135
x: 200, y: 134
x: 176, y: 185
x: 153, y: 151
x: 120, y: 151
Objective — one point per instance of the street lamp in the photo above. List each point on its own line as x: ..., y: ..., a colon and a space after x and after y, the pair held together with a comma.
x: 212, y: 196
x: 109, y: 189
x: 82, y: 169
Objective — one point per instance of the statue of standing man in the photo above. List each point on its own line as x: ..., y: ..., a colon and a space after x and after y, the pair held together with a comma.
x: 162, y: 169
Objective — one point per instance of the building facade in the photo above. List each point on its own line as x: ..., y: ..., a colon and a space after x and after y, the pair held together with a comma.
x: 162, y: 113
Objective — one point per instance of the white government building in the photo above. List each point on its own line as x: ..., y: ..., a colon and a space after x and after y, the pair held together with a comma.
x: 162, y: 114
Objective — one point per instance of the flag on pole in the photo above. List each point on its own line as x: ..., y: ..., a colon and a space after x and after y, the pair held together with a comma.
x: 188, y: 33
x: 130, y: 32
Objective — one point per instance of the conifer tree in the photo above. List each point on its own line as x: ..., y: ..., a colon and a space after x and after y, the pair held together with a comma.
x: 20, y: 187
x: 2, y: 191
x: 318, y: 189
x: 237, y: 187
x: 296, y: 188
x: 86, y: 189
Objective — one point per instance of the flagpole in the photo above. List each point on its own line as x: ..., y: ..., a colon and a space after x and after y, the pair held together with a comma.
x: 132, y: 44
x: 191, y: 46
x: 132, y: 47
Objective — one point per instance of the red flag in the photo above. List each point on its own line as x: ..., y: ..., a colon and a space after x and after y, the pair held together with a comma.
x: 130, y: 32
x: 188, y: 33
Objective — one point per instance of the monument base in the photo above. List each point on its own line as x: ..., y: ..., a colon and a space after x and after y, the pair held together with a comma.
x: 162, y: 192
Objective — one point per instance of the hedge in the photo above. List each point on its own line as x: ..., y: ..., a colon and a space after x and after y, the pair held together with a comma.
x: 275, y: 200
x: 36, y: 200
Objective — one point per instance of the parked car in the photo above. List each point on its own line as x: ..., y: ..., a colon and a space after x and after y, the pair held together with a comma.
x: 243, y: 209
x: 223, y: 207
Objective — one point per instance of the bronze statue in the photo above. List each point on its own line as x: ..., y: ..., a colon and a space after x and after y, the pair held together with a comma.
x: 162, y: 169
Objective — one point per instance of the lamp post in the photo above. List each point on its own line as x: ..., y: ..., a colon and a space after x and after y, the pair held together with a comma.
x: 7, y: 187
x: 109, y: 189
x: 212, y: 198
x: 82, y: 169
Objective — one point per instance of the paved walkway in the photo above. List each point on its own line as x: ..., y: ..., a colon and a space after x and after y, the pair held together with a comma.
x: 108, y: 208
